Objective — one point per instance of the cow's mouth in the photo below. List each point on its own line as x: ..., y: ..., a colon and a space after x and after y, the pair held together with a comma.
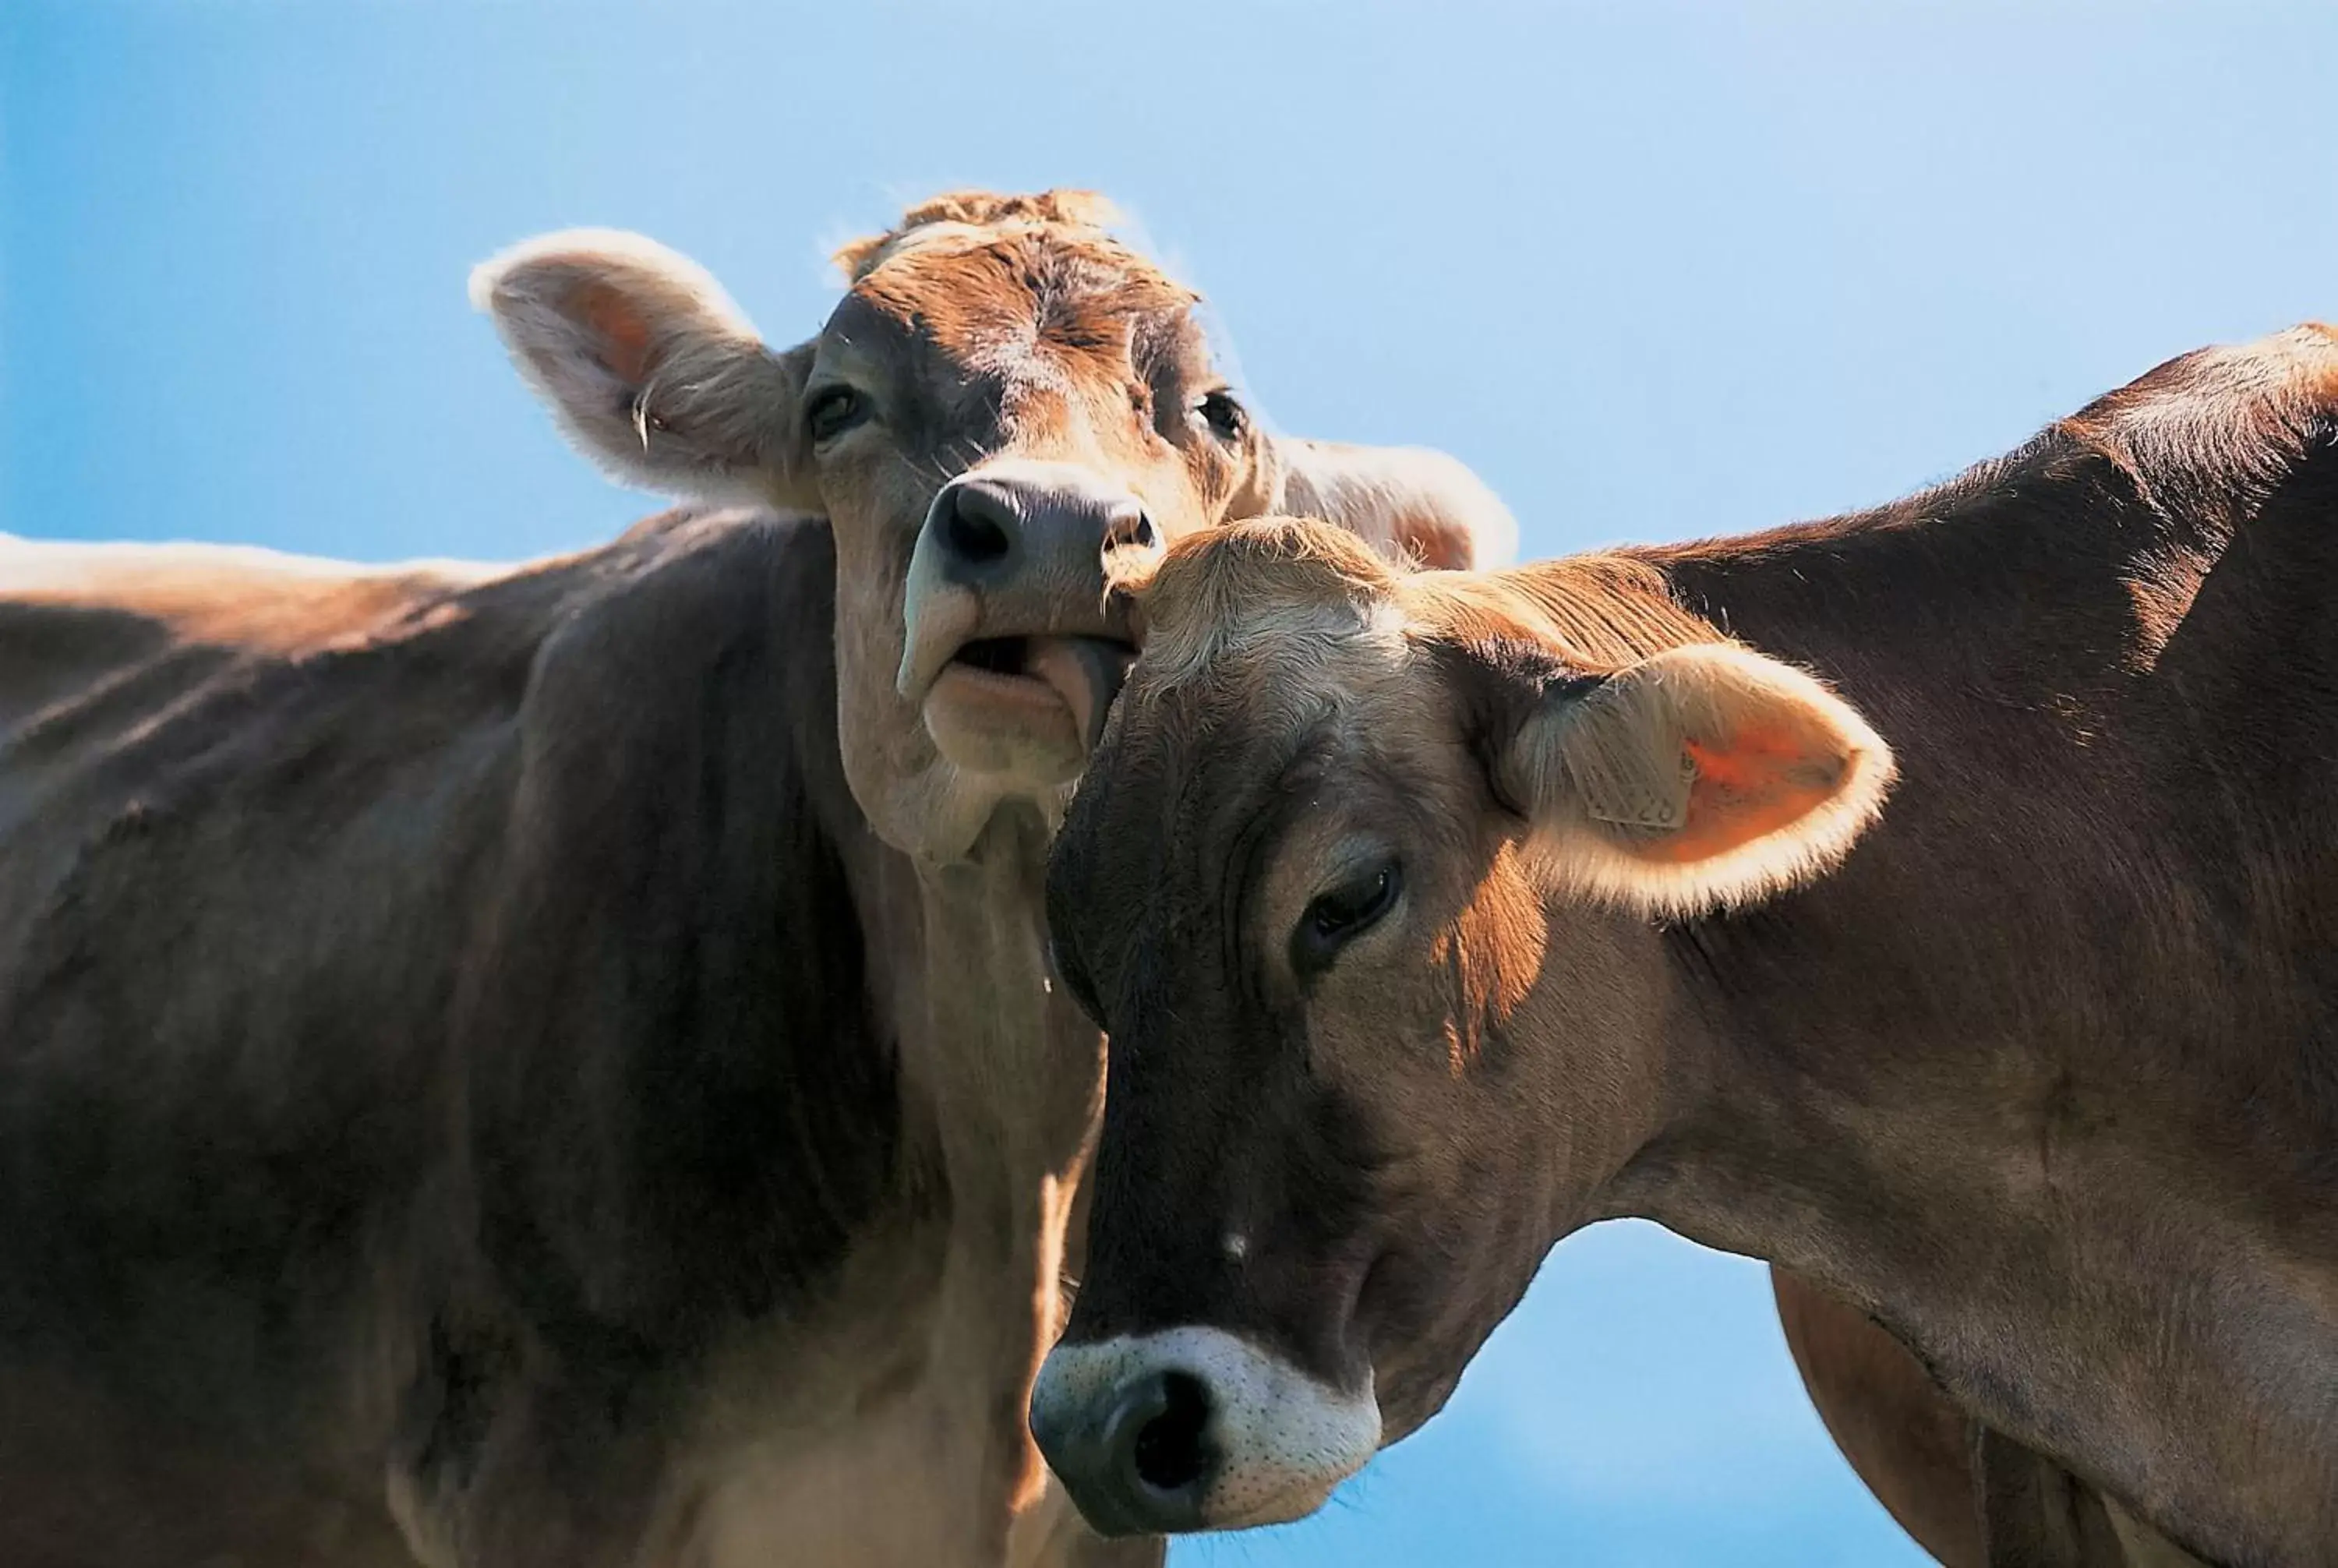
x: 1027, y: 682
x: 996, y: 655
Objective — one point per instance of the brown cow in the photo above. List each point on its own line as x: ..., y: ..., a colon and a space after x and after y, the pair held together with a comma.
x: 556, y: 1065
x: 1432, y: 919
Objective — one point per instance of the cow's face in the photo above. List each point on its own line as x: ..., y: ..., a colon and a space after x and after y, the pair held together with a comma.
x: 1360, y: 885
x: 1007, y: 410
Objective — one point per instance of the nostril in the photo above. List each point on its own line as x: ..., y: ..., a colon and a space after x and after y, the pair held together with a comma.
x: 972, y: 536
x: 1171, y: 1452
x: 1131, y: 528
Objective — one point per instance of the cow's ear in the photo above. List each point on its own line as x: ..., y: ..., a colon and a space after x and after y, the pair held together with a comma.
x: 650, y: 369
x: 1701, y: 778
x: 1414, y: 505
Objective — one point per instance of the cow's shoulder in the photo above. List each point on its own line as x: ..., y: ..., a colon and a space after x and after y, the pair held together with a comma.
x: 682, y: 1070
x: 695, y: 631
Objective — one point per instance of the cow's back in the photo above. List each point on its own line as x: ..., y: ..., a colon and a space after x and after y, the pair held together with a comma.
x: 98, y: 643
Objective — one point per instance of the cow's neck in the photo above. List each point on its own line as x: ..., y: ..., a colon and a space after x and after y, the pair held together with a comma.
x: 1017, y: 1069
x: 1012, y: 1076
x: 1962, y: 1081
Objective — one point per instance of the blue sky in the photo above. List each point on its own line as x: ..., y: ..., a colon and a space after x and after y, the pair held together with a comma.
x: 1655, y: 270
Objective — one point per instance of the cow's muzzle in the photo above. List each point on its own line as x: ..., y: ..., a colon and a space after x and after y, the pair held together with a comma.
x: 1194, y: 1429
x: 1016, y: 643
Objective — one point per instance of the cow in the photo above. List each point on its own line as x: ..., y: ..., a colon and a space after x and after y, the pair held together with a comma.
x: 1939, y: 902
x: 556, y: 1065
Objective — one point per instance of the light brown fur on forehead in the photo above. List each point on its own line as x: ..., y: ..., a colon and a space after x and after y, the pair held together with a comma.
x: 1296, y: 587
x: 962, y: 211
x: 967, y: 266
x: 1282, y: 584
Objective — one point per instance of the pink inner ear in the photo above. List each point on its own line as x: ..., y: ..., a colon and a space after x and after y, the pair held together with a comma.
x: 624, y: 335
x: 1760, y: 779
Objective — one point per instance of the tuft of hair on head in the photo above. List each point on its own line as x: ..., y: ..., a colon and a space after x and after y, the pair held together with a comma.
x: 966, y: 210
x: 1284, y: 579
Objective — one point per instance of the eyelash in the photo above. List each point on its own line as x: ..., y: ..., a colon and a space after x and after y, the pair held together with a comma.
x: 1337, y: 917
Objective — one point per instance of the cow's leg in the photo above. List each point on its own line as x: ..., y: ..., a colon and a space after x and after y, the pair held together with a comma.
x: 1901, y: 1433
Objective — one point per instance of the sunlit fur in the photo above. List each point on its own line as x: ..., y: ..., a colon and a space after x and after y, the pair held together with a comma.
x: 1605, y: 773
x: 971, y: 215
x: 228, y: 594
x: 1299, y: 589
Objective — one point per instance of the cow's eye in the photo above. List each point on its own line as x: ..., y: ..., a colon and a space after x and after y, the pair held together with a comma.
x: 1340, y: 915
x: 833, y: 411
x: 1224, y: 414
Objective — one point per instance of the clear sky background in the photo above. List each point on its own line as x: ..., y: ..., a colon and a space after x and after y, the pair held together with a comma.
x: 1653, y: 269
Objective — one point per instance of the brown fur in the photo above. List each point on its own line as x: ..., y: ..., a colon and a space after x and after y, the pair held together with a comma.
x: 1074, y: 292
x: 2037, y: 1078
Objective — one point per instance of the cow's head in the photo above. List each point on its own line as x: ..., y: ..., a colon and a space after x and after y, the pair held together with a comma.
x: 1362, y: 884
x: 1007, y: 403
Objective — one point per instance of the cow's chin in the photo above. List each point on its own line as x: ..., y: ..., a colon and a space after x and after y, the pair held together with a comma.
x: 956, y: 791
x: 1017, y: 734
x: 989, y: 753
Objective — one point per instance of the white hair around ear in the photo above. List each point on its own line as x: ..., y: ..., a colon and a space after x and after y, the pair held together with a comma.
x: 1698, y: 778
x: 649, y: 367
x: 1416, y: 505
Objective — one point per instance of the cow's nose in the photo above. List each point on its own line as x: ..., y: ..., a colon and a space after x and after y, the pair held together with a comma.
x: 977, y: 526
x: 1137, y: 1462
x: 989, y: 530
